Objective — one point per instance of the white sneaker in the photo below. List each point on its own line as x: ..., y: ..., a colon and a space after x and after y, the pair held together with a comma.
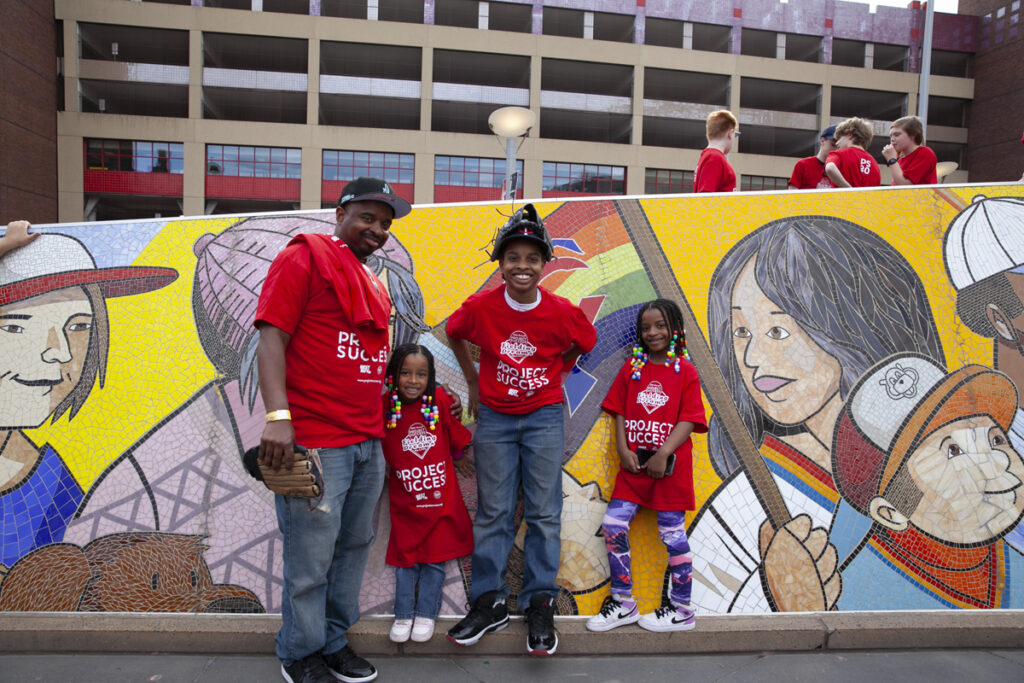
x: 422, y: 629
x: 400, y: 630
x: 671, y: 618
x: 613, y: 614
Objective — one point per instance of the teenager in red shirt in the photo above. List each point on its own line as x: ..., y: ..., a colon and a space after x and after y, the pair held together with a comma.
x: 850, y: 165
x: 655, y: 400
x: 809, y: 172
x: 909, y: 161
x: 529, y: 339
x: 429, y: 521
x: 323, y: 321
x: 714, y: 172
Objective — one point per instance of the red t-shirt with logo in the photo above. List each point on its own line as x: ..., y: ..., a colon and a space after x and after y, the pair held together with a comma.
x: 809, y: 174
x: 919, y: 166
x: 521, y: 351
x: 857, y: 166
x: 429, y: 521
x: 714, y: 172
x: 332, y: 383
x: 651, y: 407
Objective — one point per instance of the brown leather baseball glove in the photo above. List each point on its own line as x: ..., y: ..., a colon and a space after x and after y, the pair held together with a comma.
x: 302, y: 480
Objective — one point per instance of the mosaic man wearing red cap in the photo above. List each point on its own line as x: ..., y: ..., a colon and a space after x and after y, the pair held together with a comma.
x: 54, y: 335
x: 926, y: 455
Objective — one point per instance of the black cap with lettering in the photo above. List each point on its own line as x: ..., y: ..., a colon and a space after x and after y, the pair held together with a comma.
x: 374, y: 190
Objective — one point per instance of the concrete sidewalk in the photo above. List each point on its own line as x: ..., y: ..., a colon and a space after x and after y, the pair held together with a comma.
x: 227, y: 634
x: 1000, y: 666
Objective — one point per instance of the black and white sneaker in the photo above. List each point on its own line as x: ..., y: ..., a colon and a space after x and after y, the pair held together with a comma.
x: 311, y: 669
x: 613, y: 614
x: 540, y: 619
x: 347, y: 666
x: 670, y: 618
x: 488, y: 615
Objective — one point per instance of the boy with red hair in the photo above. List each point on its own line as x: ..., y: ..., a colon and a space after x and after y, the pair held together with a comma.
x: 714, y: 172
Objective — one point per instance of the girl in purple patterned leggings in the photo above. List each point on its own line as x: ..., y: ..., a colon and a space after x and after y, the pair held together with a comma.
x: 656, y: 402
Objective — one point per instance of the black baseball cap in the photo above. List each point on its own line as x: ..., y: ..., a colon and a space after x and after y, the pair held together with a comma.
x: 374, y: 190
x: 524, y: 224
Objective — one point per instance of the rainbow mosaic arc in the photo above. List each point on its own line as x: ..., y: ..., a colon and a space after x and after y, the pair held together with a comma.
x: 862, y: 353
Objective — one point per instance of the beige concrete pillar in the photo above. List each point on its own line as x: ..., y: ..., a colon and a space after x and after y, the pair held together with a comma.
x: 423, y: 192
x: 312, y: 156
x: 634, y: 172
x: 532, y: 151
x: 195, y: 74
x: 312, y: 172
x: 70, y: 39
x: 194, y: 188
x: 70, y: 180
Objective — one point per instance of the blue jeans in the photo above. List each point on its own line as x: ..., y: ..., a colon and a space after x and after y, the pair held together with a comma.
x: 512, y: 450
x: 425, y: 602
x: 325, y: 551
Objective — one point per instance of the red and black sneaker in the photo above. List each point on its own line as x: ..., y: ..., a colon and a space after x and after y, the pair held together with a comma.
x: 540, y: 619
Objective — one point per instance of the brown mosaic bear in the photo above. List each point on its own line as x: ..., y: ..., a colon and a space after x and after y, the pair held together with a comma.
x: 128, y: 572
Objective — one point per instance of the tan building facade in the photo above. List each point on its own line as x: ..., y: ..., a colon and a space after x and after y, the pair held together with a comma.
x: 257, y: 105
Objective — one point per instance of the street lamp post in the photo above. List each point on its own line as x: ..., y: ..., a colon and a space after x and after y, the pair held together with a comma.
x: 511, y: 125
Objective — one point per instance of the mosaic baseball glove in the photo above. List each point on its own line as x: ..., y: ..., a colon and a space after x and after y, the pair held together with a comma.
x: 302, y: 480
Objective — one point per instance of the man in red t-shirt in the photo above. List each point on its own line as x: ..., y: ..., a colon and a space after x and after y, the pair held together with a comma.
x: 809, y: 172
x: 850, y: 165
x: 323, y: 324
x: 909, y: 161
x: 714, y: 172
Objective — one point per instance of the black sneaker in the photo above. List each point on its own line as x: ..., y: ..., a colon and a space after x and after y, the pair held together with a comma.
x: 489, y: 615
x: 540, y: 618
x: 312, y: 669
x: 346, y: 665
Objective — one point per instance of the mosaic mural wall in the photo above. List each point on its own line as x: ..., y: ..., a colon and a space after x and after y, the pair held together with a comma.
x: 860, y: 351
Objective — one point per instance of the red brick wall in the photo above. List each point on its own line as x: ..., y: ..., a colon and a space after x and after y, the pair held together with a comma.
x: 28, y: 111
x: 994, y: 150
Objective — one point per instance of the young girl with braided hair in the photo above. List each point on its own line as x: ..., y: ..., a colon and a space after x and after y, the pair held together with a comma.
x: 656, y: 403
x: 429, y: 521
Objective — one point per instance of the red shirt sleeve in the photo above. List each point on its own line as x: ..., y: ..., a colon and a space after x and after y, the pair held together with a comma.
x: 460, y: 322
x: 919, y: 166
x: 795, y: 178
x: 286, y: 289
x: 615, y: 401
x: 584, y: 335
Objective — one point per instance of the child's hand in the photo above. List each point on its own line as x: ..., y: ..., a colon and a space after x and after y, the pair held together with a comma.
x: 17, y: 235
x: 656, y: 465
x: 456, y: 408
x: 629, y: 461
x: 464, y: 466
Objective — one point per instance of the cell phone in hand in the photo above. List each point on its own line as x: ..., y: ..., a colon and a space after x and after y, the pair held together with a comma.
x: 645, y: 454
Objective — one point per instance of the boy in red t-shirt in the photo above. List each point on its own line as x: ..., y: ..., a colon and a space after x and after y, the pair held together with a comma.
x: 529, y: 339
x: 909, y: 161
x: 809, y: 172
x: 714, y: 172
x: 850, y: 165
